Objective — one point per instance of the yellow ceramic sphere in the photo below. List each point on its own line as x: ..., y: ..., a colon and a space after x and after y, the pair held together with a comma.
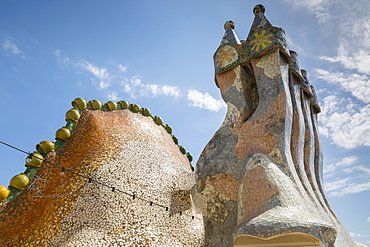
x: 4, y: 193
x: 63, y: 134
x: 111, y: 105
x: 124, y: 104
x: 95, y: 104
x: 134, y: 108
x: 79, y: 103
x: 19, y: 181
x: 189, y: 156
x: 145, y: 111
x: 73, y: 115
x: 182, y: 149
x: 46, y: 146
x: 36, y: 160
x: 158, y: 120
x: 168, y: 129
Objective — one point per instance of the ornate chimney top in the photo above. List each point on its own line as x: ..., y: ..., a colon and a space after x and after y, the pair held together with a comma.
x: 263, y: 38
x: 259, y: 8
x: 259, y: 18
x: 228, y: 25
x: 230, y: 36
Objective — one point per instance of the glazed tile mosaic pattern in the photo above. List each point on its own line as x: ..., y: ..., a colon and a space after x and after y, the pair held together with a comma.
x: 127, y: 152
x: 260, y: 176
x: 117, y: 176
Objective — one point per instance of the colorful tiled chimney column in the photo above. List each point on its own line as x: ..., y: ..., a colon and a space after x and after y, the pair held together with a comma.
x: 260, y: 176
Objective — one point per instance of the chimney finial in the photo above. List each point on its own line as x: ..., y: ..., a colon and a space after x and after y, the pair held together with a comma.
x: 259, y: 8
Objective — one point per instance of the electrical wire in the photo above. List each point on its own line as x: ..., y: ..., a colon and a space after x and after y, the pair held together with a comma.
x: 91, y: 180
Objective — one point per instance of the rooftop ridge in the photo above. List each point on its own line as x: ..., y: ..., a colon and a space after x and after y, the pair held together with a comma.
x: 35, y: 159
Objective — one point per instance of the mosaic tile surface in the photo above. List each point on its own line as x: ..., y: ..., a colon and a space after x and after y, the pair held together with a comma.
x: 121, y: 149
x: 260, y: 176
x: 122, y: 179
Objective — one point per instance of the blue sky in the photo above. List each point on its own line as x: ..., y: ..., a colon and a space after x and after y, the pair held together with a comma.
x: 158, y: 54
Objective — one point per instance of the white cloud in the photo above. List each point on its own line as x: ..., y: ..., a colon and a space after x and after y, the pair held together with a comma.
x: 351, y: 21
x: 359, y: 168
x: 356, y: 183
x: 103, y: 85
x: 336, y: 185
x: 343, y: 185
x: 136, y: 81
x: 353, y: 34
x: 205, y: 101
x: 135, y: 87
x: 353, y: 234
x: 345, y: 188
x: 113, y: 96
x: 132, y: 85
x: 62, y: 60
x: 358, y: 85
x: 8, y: 45
x: 368, y: 219
x: 358, y: 59
x: 100, y: 73
x: 101, y: 77
x: 293, y: 45
x: 347, y: 161
x: 344, y: 121
x: 318, y: 7
x: 154, y: 90
x: 127, y: 88
x: 122, y: 68
x: 347, y: 124
x: 171, y: 90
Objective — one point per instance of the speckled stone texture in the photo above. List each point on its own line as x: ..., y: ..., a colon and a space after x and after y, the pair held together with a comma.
x: 260, y: 174
x: 120, y: 149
